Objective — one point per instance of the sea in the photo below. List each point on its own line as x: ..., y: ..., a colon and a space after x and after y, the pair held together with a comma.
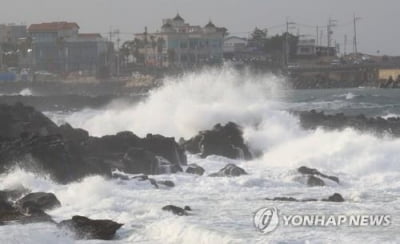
x: 223, y: 208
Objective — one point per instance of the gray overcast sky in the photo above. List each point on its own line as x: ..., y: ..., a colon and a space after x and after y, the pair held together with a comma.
x: 376, y: 31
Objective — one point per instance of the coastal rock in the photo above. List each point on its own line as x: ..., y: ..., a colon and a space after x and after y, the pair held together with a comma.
x: 139, y: 160
x: 165, y: 147
x: 229, y: 170
x: 224, y: 140
x: 39, y: 200
x: 313, y: 119
x: 72, y: 134
x: 177, y: 210
x: 167, y: 183
x: 85, y: 228
x: 49, y: 154
x: 313, y: 177
x: 314, y: 181
x: 334, y: 198
x: 32, y: 141
x: 19, y: 119
x: 32, y: 214
x: 195, y: 169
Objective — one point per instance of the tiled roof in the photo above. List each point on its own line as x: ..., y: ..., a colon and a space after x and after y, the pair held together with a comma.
x: 178, y: 18
x: 53, y: 26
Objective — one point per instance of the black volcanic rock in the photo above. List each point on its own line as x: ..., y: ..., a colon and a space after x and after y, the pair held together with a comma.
x: 85, y: 228
x: 312, y: 173
x: 165, y: 147
x: 30, y: 214
x: 34, y: 142
x: 313, y: 119
x: 195, y: 169
x: 177, y: 210
x: 314, y: 181
x: 334, y: 198
x: 224, y: 140
x: 39, y: 200
x: 139, y: 160
x: 229, y: 170
x: 19, y: 119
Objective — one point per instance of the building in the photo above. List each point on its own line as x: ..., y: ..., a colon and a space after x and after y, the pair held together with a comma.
x: 59, y: 47
x: 307, y: 48
x: 11, y: 37
x: 180, y: 44
x: 234, y: 44
x: 11, y: 33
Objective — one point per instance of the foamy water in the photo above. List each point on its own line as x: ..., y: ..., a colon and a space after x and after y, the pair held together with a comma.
x: 223, y: 207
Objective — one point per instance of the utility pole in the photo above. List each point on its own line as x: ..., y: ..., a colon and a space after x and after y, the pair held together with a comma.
x: 317, y: 36
x: 289, y: 25
x: 355, y: 19
x: 118, y: 52
x: 331, y: 24
x: 345, y: 45
x: 111, y: 34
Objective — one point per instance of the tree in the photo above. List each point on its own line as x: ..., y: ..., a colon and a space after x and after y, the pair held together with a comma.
x: 258, y: 39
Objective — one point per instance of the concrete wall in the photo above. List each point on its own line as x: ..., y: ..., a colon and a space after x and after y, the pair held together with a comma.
x: 384, y: 74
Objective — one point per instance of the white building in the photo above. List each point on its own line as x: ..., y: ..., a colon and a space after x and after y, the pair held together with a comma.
x: 182, y: 45
x: 234, y: 44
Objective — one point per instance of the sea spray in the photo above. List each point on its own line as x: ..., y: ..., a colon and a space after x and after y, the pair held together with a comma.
x: 187, y: 104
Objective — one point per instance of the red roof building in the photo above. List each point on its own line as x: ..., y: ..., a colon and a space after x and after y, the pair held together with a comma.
x: 53, y: 27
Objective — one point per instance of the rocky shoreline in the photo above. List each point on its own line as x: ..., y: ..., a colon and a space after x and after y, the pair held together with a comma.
x: 28, y: 139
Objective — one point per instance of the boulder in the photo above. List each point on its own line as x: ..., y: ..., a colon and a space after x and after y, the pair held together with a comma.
x: 32, y: 141
x: 336, y: 197
x: 229, y: 170
x: 167, y: 183
x: 9, y: 213
x: 225, y: 141
x: 165, y: 147
x: 195, y: 169
x: 177, y: 210
x: 314, y: 172
x: 43, y: 153
x: 39, y: 200
x: 314, y: 181
x: 139, y: 160
x: 19, y: 119
x: 85, y: 228
x: 71, y: 134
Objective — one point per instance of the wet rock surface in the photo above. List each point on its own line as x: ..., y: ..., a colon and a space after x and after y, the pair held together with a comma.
x: 31, y: 140
x: 223, y: 140
x: 195, y: 169
x: 313, y: 119
x: 85, y: 228
x: 230, y: 170
x: 336, y: 197
x: 177, y: 210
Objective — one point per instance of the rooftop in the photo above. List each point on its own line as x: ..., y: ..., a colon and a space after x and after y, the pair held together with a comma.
x: 53, y: 26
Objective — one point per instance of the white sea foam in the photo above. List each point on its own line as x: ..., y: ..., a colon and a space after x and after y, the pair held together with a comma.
x: 26, y: 92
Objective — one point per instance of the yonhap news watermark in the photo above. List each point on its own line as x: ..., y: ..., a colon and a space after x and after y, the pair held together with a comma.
x: 267, y: 220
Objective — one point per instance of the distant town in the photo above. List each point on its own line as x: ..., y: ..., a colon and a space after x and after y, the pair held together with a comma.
x: 58, y: 51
